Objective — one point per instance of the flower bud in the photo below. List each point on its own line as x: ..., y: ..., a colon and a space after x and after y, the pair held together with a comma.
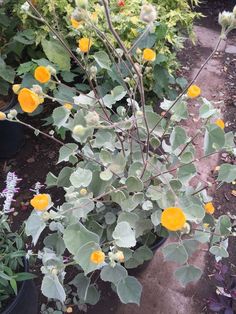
x: 54, y: 271
x: 226, y: 19
x: 127, y: 80
x: 83, y: 192
x: 37, y: 90
x: 52, y: 70
x: 81, y: 3
x: 186, y: 228
x: 77, y: 15
x: 16, y: 88
x: 13, y: 113
x: 234, y: 11
x: 2, y: 116
x: 148, y: 13
x: 25, y: 7
x: 93, y: 71
x: 120, y: 52
x: 46, y: 216
x: 120, y: 256
x: 139, y: 113
x: 79, y: 130
x: 92, y: 118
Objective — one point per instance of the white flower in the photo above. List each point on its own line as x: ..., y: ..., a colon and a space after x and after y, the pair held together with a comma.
x: 25, y: 7
x: 148, y: 13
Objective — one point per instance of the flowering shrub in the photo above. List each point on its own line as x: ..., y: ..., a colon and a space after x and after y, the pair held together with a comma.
x: 128, y: 172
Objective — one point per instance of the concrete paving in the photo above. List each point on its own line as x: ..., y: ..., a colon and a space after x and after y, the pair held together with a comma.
x: 162, y: 294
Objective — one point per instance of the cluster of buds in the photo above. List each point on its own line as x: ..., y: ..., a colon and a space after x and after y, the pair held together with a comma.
x: 115, y: 256
x: 227, y: 20
x: 148, y: 13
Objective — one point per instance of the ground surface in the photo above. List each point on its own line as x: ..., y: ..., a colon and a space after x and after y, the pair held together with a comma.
x: 161, y: 294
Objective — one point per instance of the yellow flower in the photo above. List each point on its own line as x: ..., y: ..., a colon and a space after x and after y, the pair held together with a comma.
x: 41, y: 202
x: 149, y: 55
x: 194, y: 91
x: 42, y: 74
x: 2, y: 116
x: 75, y: 23
x: 16, y: 88
x: 28, y: 100
x: 220, y: 123
x: 68, y: 106
x: 85, y: 44
x: 97, y: 257
x: 209, y: 208
x: 173, y: 218
x: 69, y: 309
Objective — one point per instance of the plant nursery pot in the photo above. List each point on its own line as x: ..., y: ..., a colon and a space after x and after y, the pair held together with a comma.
x: 11, y: 134
x: 26, y: 301
x: 141, y: 268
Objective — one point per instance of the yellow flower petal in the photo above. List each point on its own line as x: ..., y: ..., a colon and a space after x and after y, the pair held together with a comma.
x: 149, y: 55
x: 220, y: 123
x: 40, y: 202
x: 209, y: 208
x: 194, y: 91
x: 97, y: 257
x: 28, y: 100
x: 173, y: 218
x: 42, y: 74
x: 85, y: 44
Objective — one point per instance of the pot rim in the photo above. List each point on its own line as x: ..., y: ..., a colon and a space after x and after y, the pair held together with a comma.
x: 19, y: 294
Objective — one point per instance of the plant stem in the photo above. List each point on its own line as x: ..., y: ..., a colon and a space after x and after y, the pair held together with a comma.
x: 192, y: 81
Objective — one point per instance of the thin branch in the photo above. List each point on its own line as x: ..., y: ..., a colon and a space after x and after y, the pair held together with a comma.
x: 192, y: 81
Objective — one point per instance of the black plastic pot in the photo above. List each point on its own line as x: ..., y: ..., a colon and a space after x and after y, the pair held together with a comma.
x: 11, y: 135
x: 141, y: 268
x: 26, y: 301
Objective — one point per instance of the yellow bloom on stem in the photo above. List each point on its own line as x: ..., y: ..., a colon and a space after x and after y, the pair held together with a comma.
x: 68, y: 106
x: 28, y: 100
x: 41, y: 202
x: 209, y: 208
x: 2, y: 116
x: 149, y: 55
x: 194, y: 91
x: 97, y: 257
x: 42, y: 74
x: 173, y: 218
x: 220, y: 123
x: 85, y: 44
